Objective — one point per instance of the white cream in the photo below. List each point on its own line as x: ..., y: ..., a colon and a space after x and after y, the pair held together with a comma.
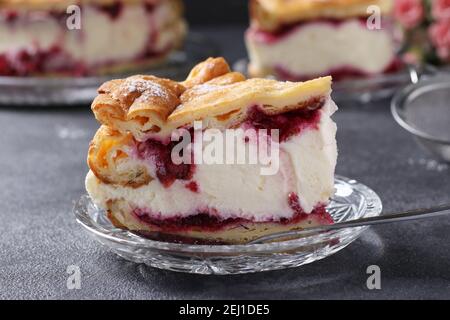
x: 318, y: 47
x: 313, y: 157
x: 104, y: 39
x: 306, y: 167
x: 43, y: 32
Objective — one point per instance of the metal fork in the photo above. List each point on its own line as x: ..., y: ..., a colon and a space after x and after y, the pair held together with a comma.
x: 387, y: 218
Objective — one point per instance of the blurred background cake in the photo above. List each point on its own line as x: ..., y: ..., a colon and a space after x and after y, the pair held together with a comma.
x: 303, y: 39
x: 42, y: 36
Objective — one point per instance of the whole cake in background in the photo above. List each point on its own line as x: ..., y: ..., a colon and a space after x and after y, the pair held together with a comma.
x: 304, y: 39
x: 113, y: 36
x: 133, y: 176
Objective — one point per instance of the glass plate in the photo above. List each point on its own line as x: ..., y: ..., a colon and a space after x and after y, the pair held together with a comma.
x: 363, y: 89
x: 66, y: 91
x: 352, y: 200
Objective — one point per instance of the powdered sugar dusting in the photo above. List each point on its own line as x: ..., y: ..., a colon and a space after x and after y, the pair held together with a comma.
x: 206, y: 88
x: 429, y: 164
x: 146, y: 88
x: 71, y: 133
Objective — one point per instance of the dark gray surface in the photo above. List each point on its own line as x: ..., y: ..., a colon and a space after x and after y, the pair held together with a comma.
x: 42, y: 169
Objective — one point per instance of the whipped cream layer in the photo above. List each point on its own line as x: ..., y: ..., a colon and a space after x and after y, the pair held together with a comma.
x: 134, y: 32
x: 307, y: 163
x: 319, y: 47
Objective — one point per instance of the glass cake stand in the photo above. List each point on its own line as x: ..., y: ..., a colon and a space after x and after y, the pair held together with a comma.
x: 67, y: 91
x: 352, y: 200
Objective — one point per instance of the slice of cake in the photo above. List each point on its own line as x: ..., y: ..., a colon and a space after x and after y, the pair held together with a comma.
x: 305, y: 39
x: 214, y: 195
x: 85, y: 37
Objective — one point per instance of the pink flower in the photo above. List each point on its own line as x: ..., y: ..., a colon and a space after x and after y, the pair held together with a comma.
x: 408, y: 12
x: 411, y: 58
x: 440, y: 38
x: 440, y: 9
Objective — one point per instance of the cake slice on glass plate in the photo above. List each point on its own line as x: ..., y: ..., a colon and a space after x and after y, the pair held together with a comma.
x: 157, y: 169
x: 304, y: 39
x: 87, y: 37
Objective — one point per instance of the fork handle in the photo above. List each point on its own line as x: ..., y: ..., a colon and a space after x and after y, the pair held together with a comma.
x: 392, y: 217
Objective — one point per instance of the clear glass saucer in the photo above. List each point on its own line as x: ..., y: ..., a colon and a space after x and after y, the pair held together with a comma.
x: 352, y: 200
x: 67, y: 91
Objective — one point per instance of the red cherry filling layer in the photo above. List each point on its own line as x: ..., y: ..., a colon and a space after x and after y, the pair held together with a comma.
x: 211, y: 220
x: 113, y: 10
x: 193, y: 186
x: 35, y: 61
x: 284, y: 30
x: 289, y: 123
x: 166, y: 171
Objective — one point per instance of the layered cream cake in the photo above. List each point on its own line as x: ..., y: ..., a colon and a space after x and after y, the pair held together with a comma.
x: 46, y: 36
x: 134, y: 177
x: 304, y: 39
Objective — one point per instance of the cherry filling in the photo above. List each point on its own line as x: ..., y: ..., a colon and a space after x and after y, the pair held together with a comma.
x: 27, y: 62
x: 10, y: 16
x: 289, y: 123
x: 320, y: 212
x: 149, y: 7
x: 34, y: 61
x: 269, y: 37
x: 203, y: 220
x: 193, y: 186
x: 210, y: 221
x: 113, y: 10
x: 166, y: 171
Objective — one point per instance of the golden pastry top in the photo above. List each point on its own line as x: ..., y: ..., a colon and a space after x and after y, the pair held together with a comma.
x: 269, y: 15
x: 150, y: 106
x: 58, y: 4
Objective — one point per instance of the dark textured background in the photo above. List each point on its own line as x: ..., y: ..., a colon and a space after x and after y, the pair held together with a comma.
x: 42, y: 170
x: 208, y: 12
